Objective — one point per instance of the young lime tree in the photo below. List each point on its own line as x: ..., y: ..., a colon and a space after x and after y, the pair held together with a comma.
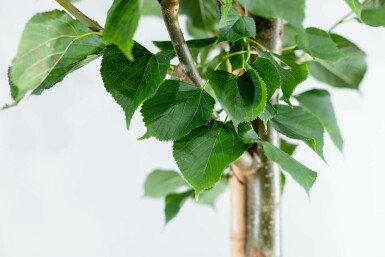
x: 227, y: 99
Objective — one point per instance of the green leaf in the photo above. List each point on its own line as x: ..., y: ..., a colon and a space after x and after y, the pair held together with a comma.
x: 174, y: 202
x: 160, y: 183
x: 304, y: 176
x: 356, y: 6
x: 52, y: 46
x: 131, y: 83
x: 238, y: 61
x: 203, y: 154
x: 296, y: 123
x: 291, y: 73
x: 268, y: 114
x: 318, y: 103
x: 235, y: 26
x: 176, y: 109
x: 195, y: 43
x: 210, y: 196
x: 283, y: 182
x: 287, y: 147
x: 151, y: 8
x: 202, y: 14
x: 290, y: 10
x: 374, y: 16
x: 122, y: 21
x: 290, y: 35
x: 347, y: 72
x: 319, y: 44
x: 243, y: 98
x: 269, y: 74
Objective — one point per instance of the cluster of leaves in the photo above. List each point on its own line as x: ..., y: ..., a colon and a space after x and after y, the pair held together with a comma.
x: 242, y: 80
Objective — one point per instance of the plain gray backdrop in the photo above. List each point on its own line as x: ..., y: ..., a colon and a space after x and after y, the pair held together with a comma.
x: 71, y: 175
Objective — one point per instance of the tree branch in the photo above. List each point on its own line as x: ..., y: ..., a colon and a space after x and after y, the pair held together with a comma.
x: 91, y: 24
x: 170, y: 9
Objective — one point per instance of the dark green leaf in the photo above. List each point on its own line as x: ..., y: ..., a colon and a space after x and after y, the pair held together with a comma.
x: 374, y: 16
x: 318, y: 103
x: 131, y: 83
x: 291, y: 73
x: 269, y: 73
x: 287, y: 147
x: 290, y: 10
x: 319, y: 44
x: 243, y: 98
x: 238, y: 61
x: 176, y: 109
x: 203, y: 154
x: 268, y: 114
x: 210, y: 196
x: 52, y: 46
x: 283, y: 182
x: 202, y: 14
x: 163, y: 182
x: 174, y: 203
x: 347, y: 72
x: 296, y: 123
x: 122, y: 21
x: 235, y: 26
x: 195, y: 43
x: 303, y: 175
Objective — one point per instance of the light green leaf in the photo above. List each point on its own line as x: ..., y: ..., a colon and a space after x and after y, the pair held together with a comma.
x: 243, y: 98
x: 131, y: 83
x: 151, y: 8
x: 291, y: 73
x: 52, y: 46
x: 318, y: 103
x: 160, y: 183
x: 195, y: 43
x: 174, y: 203
x: 122, y: 21
x: 296, y: 123
x: 203, y: 14
x: 356, y: 6
x: 290, y: 10
x: 269, y: 74
x: 304, y: 176
x: 235, y: 26
x: 210, y: 196
x: 319, y: 44
x: 203, y: 154
x: 176, y: 109
x: 290, y: 33
x: 345, y: 73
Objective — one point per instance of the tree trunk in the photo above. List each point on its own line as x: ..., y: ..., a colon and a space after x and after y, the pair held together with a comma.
x: 261, y: 181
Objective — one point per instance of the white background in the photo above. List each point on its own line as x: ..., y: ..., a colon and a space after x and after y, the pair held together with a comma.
x: 71, y: 175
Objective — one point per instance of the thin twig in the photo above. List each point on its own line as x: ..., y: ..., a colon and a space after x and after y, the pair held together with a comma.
x: 91, y: 24
x: 170, y: 10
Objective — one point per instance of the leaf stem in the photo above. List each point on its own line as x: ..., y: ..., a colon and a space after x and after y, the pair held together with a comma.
x: 346, y: 17
x: 170, y: 10
x: 341, y: 21
x: 258, y: 44
x: 91, y: 24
